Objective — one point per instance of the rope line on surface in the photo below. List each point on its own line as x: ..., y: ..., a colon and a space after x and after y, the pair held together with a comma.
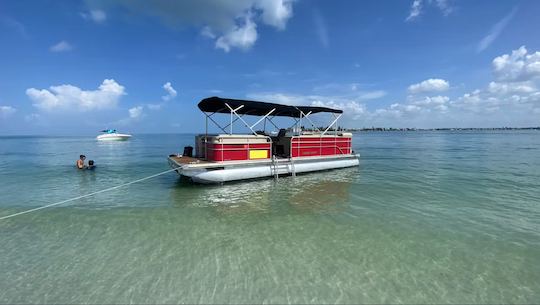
x: 87, y: 195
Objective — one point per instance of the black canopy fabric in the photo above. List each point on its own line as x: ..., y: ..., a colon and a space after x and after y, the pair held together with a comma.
x: 217, y: 104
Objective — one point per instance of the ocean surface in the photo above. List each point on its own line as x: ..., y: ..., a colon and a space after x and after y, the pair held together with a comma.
x: 427, y: 217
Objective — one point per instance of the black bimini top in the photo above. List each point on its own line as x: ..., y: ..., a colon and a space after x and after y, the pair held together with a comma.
x: 217, y: 104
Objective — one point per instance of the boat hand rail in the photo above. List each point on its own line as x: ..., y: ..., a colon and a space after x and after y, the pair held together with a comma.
x: 340, y: 140
x: 240, y: 148
x: 321, y: 147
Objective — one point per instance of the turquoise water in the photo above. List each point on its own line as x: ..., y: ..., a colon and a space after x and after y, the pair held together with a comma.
x: 428, y: 217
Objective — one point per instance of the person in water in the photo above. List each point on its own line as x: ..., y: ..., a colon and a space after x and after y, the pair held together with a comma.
x: 80, y: 162
x: 91, y: 165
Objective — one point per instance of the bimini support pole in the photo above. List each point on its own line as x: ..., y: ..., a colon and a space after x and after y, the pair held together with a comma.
x: 205, y: 141
x: 300, y: 124
x: 306, y: 116
x: 234, y: 121
x: 332, y: 124
x: 264, y: 117
x: 233, y: 111
x: 210, y: 117
x: 295, y: 123
x: 272, y: 122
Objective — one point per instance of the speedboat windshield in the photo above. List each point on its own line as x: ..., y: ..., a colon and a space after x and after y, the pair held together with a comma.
x: 109, y: 131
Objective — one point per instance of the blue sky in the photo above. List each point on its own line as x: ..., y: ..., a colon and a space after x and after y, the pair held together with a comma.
x: 75, y: 67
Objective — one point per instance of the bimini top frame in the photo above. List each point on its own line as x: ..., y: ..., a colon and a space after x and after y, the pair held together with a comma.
x: 238, y: 108
x: 219, y: 105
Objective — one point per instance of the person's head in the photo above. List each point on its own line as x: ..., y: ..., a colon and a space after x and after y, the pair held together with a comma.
x: 91, y: 162
x: 82, y: 157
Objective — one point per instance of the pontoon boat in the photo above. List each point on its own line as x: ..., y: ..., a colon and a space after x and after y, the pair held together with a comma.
x: 228, y: 156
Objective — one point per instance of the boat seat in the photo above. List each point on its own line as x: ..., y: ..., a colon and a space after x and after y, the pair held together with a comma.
x: 282, y: 132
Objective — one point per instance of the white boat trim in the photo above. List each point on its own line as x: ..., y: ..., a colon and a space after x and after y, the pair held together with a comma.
x: 219, y: 172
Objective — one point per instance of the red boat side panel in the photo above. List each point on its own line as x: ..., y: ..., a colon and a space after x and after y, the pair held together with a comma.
x: 320, y: 146
x: 234, y: 152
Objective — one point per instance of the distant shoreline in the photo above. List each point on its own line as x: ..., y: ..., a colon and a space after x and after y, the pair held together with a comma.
x: 342, y: 129
x: 440, y: 129
x: 378, y: 129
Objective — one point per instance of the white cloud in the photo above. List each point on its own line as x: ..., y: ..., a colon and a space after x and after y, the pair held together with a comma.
x: 232, y: 24
x: 62, y: 46
x: 517, y: 66
x: 432, y: 100
x: 433, y: 103
x: 352, y: 108
x: 97, y: 16
x: 416, y: 9
x: 418, y: 5
x: 444, y: 6
x: 135, y: 112
x: 510, y: 88
x: 512, y: 99
x: 495, y: 31
x: 207, y: 32
x: 241, y: 36
x: 339, y: 94
x: 6, y: 111
x: 275, y: 12
x: 429, y: 85
x: 68, y: 97
x: 171, y: 93
x: 321, y: 28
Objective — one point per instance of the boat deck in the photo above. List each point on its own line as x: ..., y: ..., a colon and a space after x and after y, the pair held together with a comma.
x: 200, y: 162
x: 188, y: 160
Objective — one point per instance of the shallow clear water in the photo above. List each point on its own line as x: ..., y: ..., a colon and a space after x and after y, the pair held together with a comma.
x: 428, y: 217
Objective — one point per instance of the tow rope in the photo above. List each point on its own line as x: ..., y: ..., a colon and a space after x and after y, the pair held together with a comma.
x: 87, y: 195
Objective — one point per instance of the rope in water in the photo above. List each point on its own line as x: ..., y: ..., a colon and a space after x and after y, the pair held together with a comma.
x: 84, y: 196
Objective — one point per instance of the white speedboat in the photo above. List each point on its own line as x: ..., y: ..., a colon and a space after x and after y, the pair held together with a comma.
x: 112, y: 135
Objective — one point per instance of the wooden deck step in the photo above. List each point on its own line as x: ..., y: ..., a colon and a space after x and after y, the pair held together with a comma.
x: 188, y: 160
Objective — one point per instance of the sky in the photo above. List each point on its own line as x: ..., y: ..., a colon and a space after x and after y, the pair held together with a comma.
x: 76, y: 67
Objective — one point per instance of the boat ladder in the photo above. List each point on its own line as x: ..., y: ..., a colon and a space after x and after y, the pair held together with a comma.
x: 274, y: 168
x: 282, y: 167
